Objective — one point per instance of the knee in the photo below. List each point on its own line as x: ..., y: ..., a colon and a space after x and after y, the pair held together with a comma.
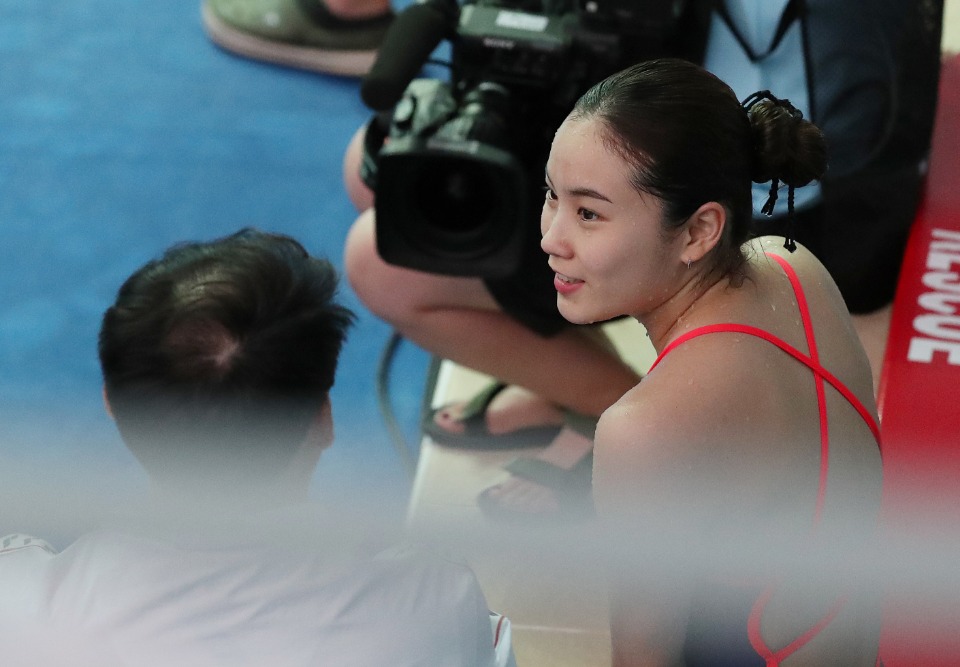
x: 360, y: 195
x: 378, y: 285
x: 360, y: 257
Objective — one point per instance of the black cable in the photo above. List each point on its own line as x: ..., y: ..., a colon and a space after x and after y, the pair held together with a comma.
x: 404, y: 450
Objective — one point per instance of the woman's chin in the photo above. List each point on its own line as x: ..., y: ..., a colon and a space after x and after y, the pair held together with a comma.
x: 577, y: 315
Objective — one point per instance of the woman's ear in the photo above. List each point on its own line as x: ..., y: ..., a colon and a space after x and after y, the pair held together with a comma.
x: 704, y: 231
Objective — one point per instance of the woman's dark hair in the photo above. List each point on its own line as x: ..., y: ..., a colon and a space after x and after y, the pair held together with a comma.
x: 691, y: 141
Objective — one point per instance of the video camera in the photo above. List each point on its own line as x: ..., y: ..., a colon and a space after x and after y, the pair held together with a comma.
x: 457, y: 166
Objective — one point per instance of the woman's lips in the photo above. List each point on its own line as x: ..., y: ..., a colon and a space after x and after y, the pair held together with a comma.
x: 566, y: 285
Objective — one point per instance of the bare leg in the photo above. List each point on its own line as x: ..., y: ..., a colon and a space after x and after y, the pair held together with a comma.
x: 457, y: 319
x: 874, y: 329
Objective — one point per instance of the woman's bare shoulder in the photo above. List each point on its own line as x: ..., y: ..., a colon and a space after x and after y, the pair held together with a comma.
x: 690, y: 414
x: 810, y: 270
x: 636, y: 424
x: 671, y: 413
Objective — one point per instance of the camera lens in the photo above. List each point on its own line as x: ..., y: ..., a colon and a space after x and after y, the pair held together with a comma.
x: 455, y: 198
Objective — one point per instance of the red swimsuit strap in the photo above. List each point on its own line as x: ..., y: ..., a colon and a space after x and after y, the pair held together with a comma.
x: 807, y: 360
x: 817, y: 369
x: 821, y: 375
x: 804, y: 309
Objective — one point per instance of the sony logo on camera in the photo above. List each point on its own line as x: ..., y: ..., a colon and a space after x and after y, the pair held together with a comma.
x: 512, y: 47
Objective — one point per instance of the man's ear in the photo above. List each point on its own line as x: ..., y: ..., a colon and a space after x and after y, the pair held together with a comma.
x: 321, y: 429
x: 704, y: 231
x: 106, y: 402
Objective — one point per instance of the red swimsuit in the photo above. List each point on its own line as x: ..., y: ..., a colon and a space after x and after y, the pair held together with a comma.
x: 821, y: 375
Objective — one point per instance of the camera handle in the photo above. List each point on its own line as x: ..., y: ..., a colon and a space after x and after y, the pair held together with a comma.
x: 375, y: 134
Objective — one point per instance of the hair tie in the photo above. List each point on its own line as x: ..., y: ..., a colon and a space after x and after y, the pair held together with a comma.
x: 788, y: 242
x: 757, y: 97
x: 752, y: 99
x: 770, y: 204
x: 767, y: 209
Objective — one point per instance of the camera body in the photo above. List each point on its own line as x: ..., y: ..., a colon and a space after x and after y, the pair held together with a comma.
x: 457, y: 166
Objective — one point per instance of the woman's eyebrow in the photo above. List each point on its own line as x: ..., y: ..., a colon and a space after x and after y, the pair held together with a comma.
x: 577, y: 192
x: 588, y: 192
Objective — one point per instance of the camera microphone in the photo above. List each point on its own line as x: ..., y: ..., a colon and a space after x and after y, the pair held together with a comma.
x: 415, y: 33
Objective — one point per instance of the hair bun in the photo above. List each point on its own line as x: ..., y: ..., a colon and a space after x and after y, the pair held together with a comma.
x: 785, y: 145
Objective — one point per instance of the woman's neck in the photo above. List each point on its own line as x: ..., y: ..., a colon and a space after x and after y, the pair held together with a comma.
x: 684, y: 310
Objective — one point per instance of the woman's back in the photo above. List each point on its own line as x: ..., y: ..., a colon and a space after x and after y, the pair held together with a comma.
x: 730, y: 434
x: 747, y: 459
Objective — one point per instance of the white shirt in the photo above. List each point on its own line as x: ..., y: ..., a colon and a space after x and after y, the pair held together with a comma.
x: 116, y: 598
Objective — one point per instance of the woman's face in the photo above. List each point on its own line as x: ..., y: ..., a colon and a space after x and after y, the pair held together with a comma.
x: 604, y: 239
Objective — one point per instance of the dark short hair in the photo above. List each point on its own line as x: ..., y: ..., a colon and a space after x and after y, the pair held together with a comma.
x: 219, y: 354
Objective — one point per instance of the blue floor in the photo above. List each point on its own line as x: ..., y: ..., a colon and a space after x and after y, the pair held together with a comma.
x: 122, y: 131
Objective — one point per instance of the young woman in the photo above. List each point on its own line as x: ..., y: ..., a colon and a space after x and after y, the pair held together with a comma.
x: 754, y: 435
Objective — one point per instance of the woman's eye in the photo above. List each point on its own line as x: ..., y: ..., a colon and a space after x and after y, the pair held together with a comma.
x: 587, y: 214
x: 549, y: 194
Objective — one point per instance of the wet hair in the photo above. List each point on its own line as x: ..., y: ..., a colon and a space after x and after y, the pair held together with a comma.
x: 218, y: 355
x: 690, y: 141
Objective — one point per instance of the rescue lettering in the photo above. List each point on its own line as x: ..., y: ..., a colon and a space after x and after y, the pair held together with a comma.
x: 938, y: 325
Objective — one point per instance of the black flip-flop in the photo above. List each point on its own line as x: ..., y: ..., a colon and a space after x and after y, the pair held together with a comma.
x: 475, y: 433
x: 572, y: 489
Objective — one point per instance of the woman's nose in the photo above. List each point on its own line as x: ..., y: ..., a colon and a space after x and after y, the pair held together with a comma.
x: 551, y: 240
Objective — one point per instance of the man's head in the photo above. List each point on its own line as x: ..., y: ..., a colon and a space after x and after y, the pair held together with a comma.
x: 218, y: 358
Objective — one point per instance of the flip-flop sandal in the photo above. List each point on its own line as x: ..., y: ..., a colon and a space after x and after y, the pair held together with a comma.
x: 572, y: 488
x: 475, y: 433
x: 296, y: 33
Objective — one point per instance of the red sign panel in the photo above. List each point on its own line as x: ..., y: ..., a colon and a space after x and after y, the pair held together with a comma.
x: 919, y: 403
